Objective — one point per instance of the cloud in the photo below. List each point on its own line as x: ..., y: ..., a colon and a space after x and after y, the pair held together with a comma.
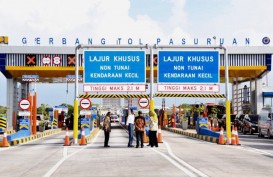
x: 108, y: 19
x: 238, y: 18
x: 83, y: 19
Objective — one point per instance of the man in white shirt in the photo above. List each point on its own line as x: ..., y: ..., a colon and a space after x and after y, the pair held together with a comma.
x: 130, y: 123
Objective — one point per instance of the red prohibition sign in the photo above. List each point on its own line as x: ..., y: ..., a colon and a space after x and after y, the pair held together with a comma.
x: 24, y: 104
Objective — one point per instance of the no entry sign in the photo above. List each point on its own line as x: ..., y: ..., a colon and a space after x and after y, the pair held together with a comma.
x: 143, y: 102
x: 85, y: 103
x: 24, y: 104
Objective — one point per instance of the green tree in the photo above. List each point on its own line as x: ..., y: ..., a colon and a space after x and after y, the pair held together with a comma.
x: 70, y: 108
x: 43, y: 109
x: 3, y: 110
x: 185, y: 108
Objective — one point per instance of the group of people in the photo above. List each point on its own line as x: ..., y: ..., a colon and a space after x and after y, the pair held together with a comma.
x: 137, y: 124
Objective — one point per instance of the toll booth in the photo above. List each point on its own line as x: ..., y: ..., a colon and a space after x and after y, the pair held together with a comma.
x: 59, y: 113
x: 24, y: 130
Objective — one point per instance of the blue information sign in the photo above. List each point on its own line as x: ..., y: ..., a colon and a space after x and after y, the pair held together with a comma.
x: 85, y: 122
x: 114, y: 67
x: 24, y: 124
x: 188, y: 67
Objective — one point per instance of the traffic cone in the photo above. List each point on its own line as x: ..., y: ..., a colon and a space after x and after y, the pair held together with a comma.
x: 66, y: 139
x: 233, y: 138
x: 83, y: 141
x: 237, y: 137
x: 221, y: 138
x: 159, y: 136
x: 217, y: 127
x: 5, y: 142
x: 145, y: 138
x: 212, y: 127
x: 209, y: 126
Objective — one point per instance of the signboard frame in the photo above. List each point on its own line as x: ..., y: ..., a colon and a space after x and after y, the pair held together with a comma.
x: 183, y: 58
x: 108, y: 67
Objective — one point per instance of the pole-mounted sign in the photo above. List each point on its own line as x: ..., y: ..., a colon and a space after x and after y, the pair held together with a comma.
x: 85, y: 103
x: 143, y: 102
x: 24, y: 104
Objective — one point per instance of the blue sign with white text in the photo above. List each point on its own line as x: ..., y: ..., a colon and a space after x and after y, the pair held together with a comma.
x: 114, y: 66
x: 188, y: 66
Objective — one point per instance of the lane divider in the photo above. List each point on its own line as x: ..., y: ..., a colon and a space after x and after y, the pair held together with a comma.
x: 193, y: 135
x: 33, y: 137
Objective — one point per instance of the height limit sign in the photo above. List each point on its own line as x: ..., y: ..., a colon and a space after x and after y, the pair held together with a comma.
x: 143, y: 102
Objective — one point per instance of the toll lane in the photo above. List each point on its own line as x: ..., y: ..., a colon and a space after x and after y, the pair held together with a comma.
x: 33, y: 158
x: 178, y: 156
x: 218, y: 160
x: 118, y: 160
x: 261, y: 145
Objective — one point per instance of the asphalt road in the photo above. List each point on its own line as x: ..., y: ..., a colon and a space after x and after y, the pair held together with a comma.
x: 178, y: 156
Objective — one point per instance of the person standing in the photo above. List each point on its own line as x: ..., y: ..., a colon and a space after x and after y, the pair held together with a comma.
x: 107, y: 129
x: 153, y: 126
x: 130, y: 124
x: 140, y: 123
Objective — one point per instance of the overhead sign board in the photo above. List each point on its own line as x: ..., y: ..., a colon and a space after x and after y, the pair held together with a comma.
x: 143, y: 102
x: 114, y: 88
x: 73, y: 78
x: 114, y: 66
x: 24, y: 104
x: 188, y: 87
x: 30, y: 78
x: 188, y: 67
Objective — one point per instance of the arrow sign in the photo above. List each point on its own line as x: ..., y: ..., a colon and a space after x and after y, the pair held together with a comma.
x: 85, y: 103
x: 24, y: 104
x: 143, y: 102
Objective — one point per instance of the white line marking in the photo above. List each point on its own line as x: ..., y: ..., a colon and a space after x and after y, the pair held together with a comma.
x: 55, y: 167
x: 183, y: 162
x: 253, y: 150
x: 175, y: 164
x: 65, y: 152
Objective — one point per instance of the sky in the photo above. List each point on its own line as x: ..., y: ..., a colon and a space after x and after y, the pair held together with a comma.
x: 145, y: 19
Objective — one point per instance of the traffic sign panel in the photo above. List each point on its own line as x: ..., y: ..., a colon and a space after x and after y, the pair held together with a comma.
x: 114, y: 66
x: 143, y: 102
x: 188, y: 67
x: 188, y: 88
x: 24, y: 104
x: 85, y: 103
